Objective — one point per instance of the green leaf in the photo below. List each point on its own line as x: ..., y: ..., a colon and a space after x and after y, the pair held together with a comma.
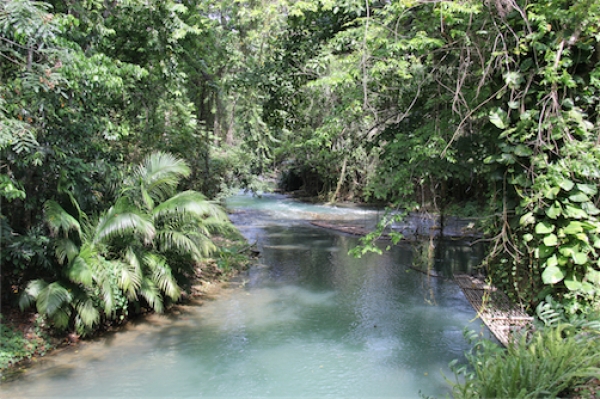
x: 580, y: 258
x: 572, y: 285
x: 579, y: 197
x: 588, y: 189
x: 523, y: 151
x: 574, y: 211
x: 569, y: 250
x: 566, y: 184
x: 587, y: 288
x: 593, y: 276
x: 80, y: 272
x: 497, y: 118
x: 554, y: 211
x: 552, y: 275
x: 544, y: 228
x: 527, y: 218
x: 544, y: 251
x: 52, y: 298
x: 552, y: 192
x: 573, y: 227
x: 60, y: 221
x: 551, y: 240
x: 590, y: 208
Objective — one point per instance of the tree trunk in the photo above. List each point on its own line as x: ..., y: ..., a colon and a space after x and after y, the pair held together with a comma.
x: 340, y: 181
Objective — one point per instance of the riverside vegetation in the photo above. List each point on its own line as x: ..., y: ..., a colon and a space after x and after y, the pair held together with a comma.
x: 423, y: 106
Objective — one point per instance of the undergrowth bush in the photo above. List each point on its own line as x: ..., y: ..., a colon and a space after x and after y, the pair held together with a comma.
x: 557, y: 358
x: 16, y: 347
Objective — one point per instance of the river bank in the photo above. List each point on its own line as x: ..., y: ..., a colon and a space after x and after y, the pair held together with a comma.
x: 28, y: 339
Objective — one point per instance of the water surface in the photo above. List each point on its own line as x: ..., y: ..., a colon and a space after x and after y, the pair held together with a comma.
x: 309, y: 322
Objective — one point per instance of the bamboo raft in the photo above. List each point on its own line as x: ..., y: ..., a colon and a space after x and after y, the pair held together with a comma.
x: 502, y: 318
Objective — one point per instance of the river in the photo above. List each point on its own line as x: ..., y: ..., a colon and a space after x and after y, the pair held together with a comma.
x: 309, y: 321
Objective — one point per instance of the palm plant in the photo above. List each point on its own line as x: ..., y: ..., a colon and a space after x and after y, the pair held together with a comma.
x: 92, y: 283
x: 125, y: 255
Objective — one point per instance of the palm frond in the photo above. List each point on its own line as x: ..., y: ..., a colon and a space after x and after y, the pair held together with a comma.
x: 108, y: 296
x: 116, y: 222
x: 162, y: 275
x: 87, y: 313
x: 66, y: 250
x: 179, y: 242
x: 129, y: 278
x: 205, y: 245
x: 51, y: 299
x: 61, y: 317
x: 151, y: 294
x: 31, y: 292
x: 59, y: 220
x: 190, y: 203
x: 158, y: 175
x: 79, y: 271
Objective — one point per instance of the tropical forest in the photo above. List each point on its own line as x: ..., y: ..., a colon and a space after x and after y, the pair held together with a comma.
x: 143, y: 141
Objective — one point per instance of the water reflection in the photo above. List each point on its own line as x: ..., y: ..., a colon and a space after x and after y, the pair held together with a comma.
x: 311, y: 322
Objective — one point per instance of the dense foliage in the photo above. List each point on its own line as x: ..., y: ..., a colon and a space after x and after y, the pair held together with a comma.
x: 424, y: 105
x: 88, y: 88
x: 427, y: 105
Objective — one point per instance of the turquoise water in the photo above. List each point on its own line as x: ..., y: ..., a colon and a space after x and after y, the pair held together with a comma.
x: 308, y: 322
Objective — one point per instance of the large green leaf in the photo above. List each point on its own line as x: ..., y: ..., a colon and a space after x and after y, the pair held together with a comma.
x: 552, y: 275
x: 580, y: 258
x: 151, y: 294
x: 498, y: 118
x: 87, y: 312
x: 544, y: 228
x: 162, y: 276
x: 526, y: 219
x: 66, y: 250
x: 572, y: 285
x: 523, y: 151
x: 593, y: 276
x: 590, y: 208
x: 569, y: 250
x: 544, y: 251
x: 158, y: 175
x: 566, y: 184
x: 579, y: 197
x: 574, y: 211
x: 550, y: 240
x: 573, y: 227
x: 588, y: 189
x: 31, y: 292
x: 554, y: 211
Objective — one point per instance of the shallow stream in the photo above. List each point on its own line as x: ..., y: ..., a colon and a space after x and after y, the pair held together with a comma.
x: 308, y: 322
